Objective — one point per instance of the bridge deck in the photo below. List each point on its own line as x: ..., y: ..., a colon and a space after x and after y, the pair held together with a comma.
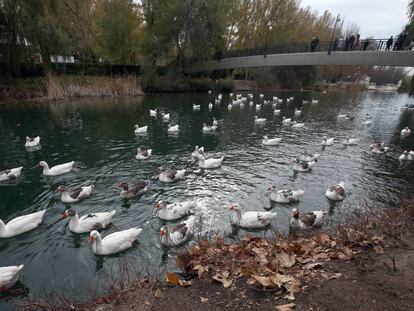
x: 354, y: 58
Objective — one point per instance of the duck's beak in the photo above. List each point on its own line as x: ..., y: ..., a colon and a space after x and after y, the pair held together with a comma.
x: 269, y: 188
x: 157, y: 205
x: 64, y: 215
x: 162, y: 233
x: 90, y: 239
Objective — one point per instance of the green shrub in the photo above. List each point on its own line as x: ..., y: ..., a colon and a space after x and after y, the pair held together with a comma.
x: 224, y: 85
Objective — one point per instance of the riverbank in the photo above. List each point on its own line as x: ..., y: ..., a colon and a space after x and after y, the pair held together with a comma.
x: 363, y: 263
x: 53, y: 87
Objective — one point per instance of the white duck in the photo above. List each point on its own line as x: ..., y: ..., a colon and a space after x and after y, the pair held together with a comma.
x: 309, y: 157
x: 285, y: 196
x: 21, y: 224
x: 379, y: 148
x: 258, y: 106
x: 115, y: 242
x: 303, y: 166
x: 140, y: 130
x: 250, y: 220
x: 298, y: 124
x: 405, y: 131
x: 215, y: 122
x: 178, y: 234
x: 261, y: 95
x: 259, y: 120
x: 9, y: 174
x: 337, y: 192
x: 210, y: 163
x: 298, y: 112
x: 173, y: 128
x: 367, y: 122
x: 198, y: 152
x: 327, y: 141
x: 76, y: 194
x: 32, y: 142
x: 251, y: 104
x: 241, y: 106
x: 351, y: 141
x: 342, y: 116
x: 315, y: 101
x: 276, y: 112
x: 153, y: 113
x: 207, y: 128
x: 286, y: 121
x: 196, y: 107
x: 308, y: 220
x: 170, y: 175
x: 210, y: 106
x: 406, y: 156
x: 134, y: 190
x: 9, y: 276
x: 174, y: 211
x: 271, y: 141
x: 143, y: 154
x: 229, y: 106
x: 166, y: 117
x: 56, y: 170
x: 88, y: 222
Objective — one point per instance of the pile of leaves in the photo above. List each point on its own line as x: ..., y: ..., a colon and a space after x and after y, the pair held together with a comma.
x: 284, y: 265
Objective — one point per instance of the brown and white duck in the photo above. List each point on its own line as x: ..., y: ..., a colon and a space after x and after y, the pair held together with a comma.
x: 143, y: 154
x: 307, y: 220
x: 170, y: 175
x: 171, y: 236
x: 337, y: 192
x: 74, y: 195
x: 135, y: 190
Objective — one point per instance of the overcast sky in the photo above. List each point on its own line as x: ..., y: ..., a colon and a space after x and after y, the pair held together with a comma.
x: 376, y: 18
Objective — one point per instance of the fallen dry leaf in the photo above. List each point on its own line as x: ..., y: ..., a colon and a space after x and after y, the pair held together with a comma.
x: 290, y: 297
x: 322, y: 238
x: 172, y: 278
x: 335, y: 275
x: 312, y: 265
x: 159, y: 294
x: 265, y: 281
x: 379, y: 249
x: 286, y: 260
x: 203, y: 299
x: 185, y: 283
x: 223, y: 280
x: 286, y: 307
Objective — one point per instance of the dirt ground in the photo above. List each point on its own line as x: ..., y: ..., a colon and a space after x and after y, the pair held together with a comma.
x: 369, y: 282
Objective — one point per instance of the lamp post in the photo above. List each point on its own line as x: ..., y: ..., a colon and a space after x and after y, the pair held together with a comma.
x: 338, y: 19
x: 270, y: 27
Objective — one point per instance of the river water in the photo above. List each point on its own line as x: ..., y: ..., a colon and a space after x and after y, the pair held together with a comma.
x: 98, y: 134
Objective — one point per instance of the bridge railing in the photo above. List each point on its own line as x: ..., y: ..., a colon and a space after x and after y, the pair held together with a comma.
x: 304, y: 47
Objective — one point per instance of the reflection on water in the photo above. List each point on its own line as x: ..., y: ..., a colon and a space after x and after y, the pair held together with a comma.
x: 98, y: 134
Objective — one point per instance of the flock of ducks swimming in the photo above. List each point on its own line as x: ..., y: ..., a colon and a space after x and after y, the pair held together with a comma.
x: 176, y: 235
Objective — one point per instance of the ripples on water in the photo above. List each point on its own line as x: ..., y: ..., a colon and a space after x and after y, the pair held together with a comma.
x: 98, y: 135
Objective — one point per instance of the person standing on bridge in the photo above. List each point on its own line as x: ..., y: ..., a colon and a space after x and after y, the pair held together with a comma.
x: 351, y: 42
x: 357, y: 42
x: 317, y: 42
x: 389, y: 43
x: 335, y: 44
x: 313, y: 44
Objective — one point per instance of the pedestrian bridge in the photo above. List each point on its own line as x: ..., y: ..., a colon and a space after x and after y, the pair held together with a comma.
x: 366, y: 53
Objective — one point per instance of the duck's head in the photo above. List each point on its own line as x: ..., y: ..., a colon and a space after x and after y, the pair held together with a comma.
x: 93, y: 235
x: 27, y: 138
x: 68, y: 213
x: 123, y: 185
x: 405, y: 152
x: 271, y: 188
x: 196, y: 148
x: 42, y: 164
x: 159, y: 204
x: 60, y: 189
x: 204, y: 125
x: 161, y: 169
x: 136, y: 126
x: 265, y: 137
x: 295, y: 213
x: 163, y: 231
x: 234, y: 207
x: 255, y: 117
x: 139, y: 150
x: 325, y: 138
